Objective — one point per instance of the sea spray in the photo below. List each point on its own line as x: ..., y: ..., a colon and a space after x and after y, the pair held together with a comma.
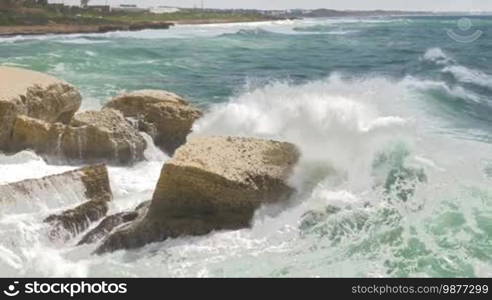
x: 336, y: 124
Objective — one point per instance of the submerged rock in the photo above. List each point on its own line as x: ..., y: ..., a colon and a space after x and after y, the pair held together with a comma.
x: 165, y: 116
x: 108, y: 224
x: 33, y: 94
x: 74, y: 221
x: 399, y: 179
x: 313, y: 218
x: 402, y: 182
x: 211, y: 183
x: 91, y: 137
x: 97, y: 192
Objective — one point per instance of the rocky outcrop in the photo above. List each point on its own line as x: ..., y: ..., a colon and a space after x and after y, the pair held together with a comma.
x: 108, y: 224
x: 97, y: 193
x: 36, y: 95
x: 85, y: 184
x: 211, y: 183
x: 165, y: 116
x: 91, y: 137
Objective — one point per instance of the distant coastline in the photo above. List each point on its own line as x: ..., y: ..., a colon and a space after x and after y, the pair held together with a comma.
x: 41, y: 20
x: 7, y: 31
x: 55, y: 19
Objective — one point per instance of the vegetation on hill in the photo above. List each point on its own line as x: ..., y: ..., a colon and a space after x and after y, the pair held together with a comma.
x: 15, y: 14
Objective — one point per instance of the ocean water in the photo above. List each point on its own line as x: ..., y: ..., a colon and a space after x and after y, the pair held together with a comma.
x: 392, y: 117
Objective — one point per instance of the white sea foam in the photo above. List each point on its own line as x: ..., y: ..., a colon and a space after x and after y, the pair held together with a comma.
x: 436, y: 55
x: 467, y: 75
x: 462, y: 73
x: 78, y: 40
x: 26, y: 165
x: 337, y: 122
x: 134, y: 185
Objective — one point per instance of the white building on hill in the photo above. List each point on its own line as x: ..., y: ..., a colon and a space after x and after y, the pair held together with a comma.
x: 164, y: 10
x: 124, y: 5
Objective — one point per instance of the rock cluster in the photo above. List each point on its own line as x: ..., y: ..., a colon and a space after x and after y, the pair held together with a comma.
x: 210, y: 183
x: 39, y: 112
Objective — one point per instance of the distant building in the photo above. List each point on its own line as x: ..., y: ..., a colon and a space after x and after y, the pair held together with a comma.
x: 299, y: 11
x: 100, y: 8
x: 275, y: 13
x: 57, y: 2
x: 129, y: 8
x: 164, y: 10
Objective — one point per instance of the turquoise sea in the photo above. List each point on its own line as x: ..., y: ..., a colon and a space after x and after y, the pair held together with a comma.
x: 393, y: 117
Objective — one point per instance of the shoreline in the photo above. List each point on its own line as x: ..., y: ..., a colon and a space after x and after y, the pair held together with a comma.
x: 225, y: 21
x: 9, y: 31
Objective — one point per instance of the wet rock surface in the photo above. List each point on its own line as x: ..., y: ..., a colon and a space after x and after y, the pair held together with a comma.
x: 211, y: 183
x: 108, y: 224
x: 165, y: 116
x: 97, y: 193
x: 91, y: 137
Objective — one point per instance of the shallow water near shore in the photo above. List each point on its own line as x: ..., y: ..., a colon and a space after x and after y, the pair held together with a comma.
x: 361, y: 98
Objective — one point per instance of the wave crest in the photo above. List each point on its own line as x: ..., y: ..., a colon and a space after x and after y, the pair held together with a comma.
x: 339, y: 124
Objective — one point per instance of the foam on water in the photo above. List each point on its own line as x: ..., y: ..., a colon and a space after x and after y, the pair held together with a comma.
x: 25, y: 165
x: 467, y: 75
x: 134, y: 185
x: 436, y: 55
x: 461, y: 73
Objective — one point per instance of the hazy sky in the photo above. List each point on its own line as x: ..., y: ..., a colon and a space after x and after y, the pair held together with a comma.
x: 446, y: 5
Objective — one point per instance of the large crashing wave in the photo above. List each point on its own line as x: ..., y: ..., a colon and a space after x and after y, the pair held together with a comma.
x: 373, y: 183
x: 339, y: 123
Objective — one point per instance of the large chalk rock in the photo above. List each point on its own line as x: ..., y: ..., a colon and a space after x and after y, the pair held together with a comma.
x: 24, y: 92
x: 165, y: 116
x: 211, y: 183
x: 91, y: 137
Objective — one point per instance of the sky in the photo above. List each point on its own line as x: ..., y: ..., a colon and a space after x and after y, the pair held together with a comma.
x: 433, y: 5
